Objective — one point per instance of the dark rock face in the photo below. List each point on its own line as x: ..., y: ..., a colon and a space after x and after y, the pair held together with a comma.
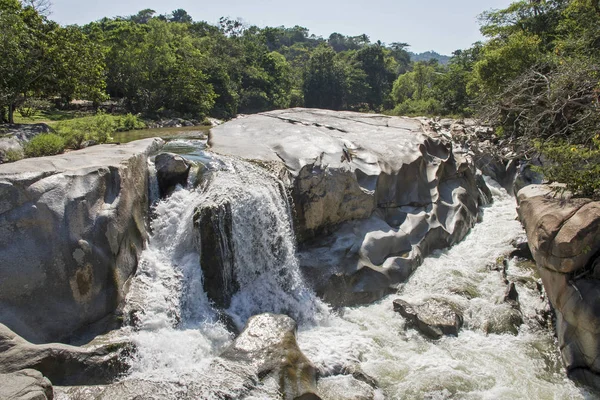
x: 71, y: 229
x: 434, y: 318
x: 27, y: 384
x: 564, y: 238
x: 372, y: 194
x: 213, y: 228
x: 171, y: 170
x: 63, y: 364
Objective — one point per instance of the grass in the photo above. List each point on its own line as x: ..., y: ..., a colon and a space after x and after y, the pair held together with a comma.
x: 51, y: 117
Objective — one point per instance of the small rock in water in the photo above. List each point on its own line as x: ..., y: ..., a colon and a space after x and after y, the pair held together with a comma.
x: 171, y: 170
x: 434, y: 318
x: 512, y: 296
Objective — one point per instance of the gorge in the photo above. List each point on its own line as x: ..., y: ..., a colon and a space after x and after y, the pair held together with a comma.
x: 267, y: 261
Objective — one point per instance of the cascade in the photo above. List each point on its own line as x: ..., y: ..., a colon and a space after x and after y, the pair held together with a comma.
x: 180, y: 331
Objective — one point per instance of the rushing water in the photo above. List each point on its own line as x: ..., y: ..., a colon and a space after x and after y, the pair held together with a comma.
x: 180, y: 332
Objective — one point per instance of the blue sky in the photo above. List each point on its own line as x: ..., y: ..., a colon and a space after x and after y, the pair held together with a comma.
x: 439, y: 25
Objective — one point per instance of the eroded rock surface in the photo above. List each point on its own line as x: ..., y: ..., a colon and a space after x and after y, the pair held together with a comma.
x: 379, y: 193
x: 63, y: 364
x: 564, y: 238
x: 71, y: 229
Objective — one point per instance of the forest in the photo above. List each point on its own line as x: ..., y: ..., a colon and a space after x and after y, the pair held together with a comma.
x: 535, y: 78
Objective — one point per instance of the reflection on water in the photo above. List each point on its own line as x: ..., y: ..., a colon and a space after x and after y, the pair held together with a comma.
x: 185, y: 132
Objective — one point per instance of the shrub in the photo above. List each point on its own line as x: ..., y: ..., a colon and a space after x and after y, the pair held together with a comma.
x: 411, y: 107
x: 77, y: 131
x: 577, y: 166
x: 32, y: 105
x: 46, y: 144
x: 129, y: 122
x: 12, y: 155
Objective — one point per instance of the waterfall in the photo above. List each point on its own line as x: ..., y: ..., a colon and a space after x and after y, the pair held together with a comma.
x: 179, y: 329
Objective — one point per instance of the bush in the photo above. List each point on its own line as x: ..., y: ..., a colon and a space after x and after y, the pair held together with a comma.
x: 129, y: 122
x: 32, y: 105
x: 46, y: 144
x: 421, y: 107
x: 576, y: 166
x: 12, y: 155
x: 77, y: 131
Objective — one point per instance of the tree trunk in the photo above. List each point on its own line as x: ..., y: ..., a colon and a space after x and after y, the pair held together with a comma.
x: 11, y: 113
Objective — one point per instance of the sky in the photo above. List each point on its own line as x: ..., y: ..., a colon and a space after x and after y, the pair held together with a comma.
x: 440, y: 25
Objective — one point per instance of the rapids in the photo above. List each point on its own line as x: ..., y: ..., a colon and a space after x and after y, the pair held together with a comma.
x: 179, y: 333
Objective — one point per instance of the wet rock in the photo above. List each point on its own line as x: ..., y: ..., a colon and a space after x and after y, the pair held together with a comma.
x: 521, y: 250
x: 344, y: 387
x: 171, y: 170
x: 268, y: 345
x: 213, y: 225
x: 433, y: 318
x: 504, y: 319
x: 27, y: 384
x: 363, y: 287
x: 71, y: 229
x: 512, y: 296
x: 64, y: 364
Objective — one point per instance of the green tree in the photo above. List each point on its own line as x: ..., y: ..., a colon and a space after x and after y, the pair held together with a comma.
x: 324, y: 80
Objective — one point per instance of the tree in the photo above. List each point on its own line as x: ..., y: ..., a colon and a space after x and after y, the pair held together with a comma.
x: 180, y: 15
x: 40, y: 58
x: 324, y: 80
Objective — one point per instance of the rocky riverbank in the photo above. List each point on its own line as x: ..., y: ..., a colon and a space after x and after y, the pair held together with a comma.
x: 370, y: 196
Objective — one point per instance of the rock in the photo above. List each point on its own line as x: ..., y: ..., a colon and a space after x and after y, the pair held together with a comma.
x: 27, y: 384
x: 268, y: 345
x: 344, y: 387
x: 527, y: 175
x: 212, y: 223
x: 521, y: 250
x: 71, y: 229
x: 433, y: 318
x: 512, y: 296
x: 64, y: 364
x: 401, y: 192
x: 564, y: 237
x: 13, y: 138
x: 171, y: 170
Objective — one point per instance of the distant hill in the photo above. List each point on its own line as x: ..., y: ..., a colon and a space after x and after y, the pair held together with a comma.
x: 429, y: 55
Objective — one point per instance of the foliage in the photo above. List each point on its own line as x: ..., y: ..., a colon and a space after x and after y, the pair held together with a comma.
x: 39, y: 58
x: 98, y: 128
x: 12, y: 155
x: 576, y: 165
x: 32, y: 105
x: 45, y: 144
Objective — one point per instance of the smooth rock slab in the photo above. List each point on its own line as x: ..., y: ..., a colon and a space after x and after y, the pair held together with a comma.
x: 71, y: 229
x: 27, y: 384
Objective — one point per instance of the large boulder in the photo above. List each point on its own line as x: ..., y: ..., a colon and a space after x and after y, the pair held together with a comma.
x: 372, y: 194
x: 564, y: 238
x: 171, y: 170
x: 64, y: 364
x: 27, y: 384
x: 268, y: 344
x: 71, y: 229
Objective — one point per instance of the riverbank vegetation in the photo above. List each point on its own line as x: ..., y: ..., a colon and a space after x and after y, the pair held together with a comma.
x: 535, y: 79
